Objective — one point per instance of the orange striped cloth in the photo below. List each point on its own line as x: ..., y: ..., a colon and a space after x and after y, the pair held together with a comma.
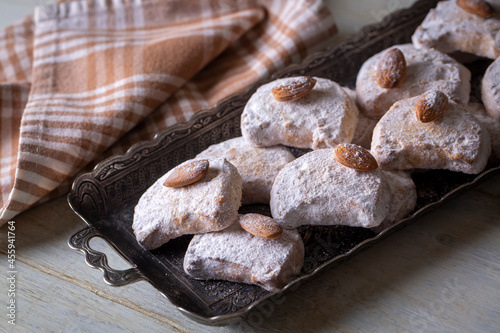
x: 80, y: 79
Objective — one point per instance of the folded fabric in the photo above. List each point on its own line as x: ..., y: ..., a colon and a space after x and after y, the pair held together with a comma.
x: 82, y: 79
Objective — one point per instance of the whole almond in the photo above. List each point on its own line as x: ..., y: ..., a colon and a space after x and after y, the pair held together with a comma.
x: 187, y: 173
x: 431, y: 105
x: 477, y: 7
x: 355, y: 157
x: 295, y: 89
x: 261, y: 226
x: 391, y: 69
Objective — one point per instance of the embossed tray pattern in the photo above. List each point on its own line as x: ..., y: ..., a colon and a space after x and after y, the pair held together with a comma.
x: 105, y: 197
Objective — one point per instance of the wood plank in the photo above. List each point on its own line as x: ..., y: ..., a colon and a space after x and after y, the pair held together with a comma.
x: 46, y: 303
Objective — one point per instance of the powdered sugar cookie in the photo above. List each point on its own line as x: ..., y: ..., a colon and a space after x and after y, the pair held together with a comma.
x: 257, y: 166
x: 493, y: 127
x: 364, y: 131
x: 449, y: 28
x: 456, y: 141
x: 316, y: 189
x: 425, y: 69
x: 364, y: 127
x: 236, y: 255
x: 403, y: 197
x: 490, y: 89
x: 209, y: 204
x: 323, y: 117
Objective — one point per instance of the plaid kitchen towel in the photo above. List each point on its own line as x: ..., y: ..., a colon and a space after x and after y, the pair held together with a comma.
x: 79, y: 78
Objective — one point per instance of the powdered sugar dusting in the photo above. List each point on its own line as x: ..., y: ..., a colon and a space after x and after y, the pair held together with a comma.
x: 323, y: 118
x: 257, y: 166
x: 293, y: 82
x: 426, y: 69
x: 456, y: 142
x: 430, y: 96
x: 316, y: 189
x: 448, y: 28
x: 208, y: 205
x: 235, y: 255
x: 364, y: 131
x: 493, y: 127
x: 404, y: 197
x: 490, y: 89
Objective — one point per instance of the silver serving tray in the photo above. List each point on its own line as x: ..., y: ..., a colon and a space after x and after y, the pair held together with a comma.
x: 105, y: 197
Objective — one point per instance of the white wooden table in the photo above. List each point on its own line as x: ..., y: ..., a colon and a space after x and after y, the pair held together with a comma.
x: 441, y: 274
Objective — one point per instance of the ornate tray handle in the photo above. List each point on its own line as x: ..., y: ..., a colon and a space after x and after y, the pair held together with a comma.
x: 95, y: 259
